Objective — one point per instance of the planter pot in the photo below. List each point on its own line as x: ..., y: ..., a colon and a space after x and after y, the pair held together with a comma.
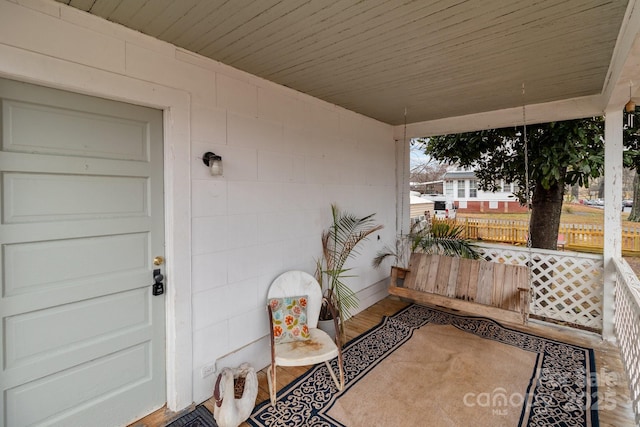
x: 328, y: 326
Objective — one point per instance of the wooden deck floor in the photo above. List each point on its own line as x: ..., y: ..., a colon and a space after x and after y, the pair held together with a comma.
x: 613, y: 388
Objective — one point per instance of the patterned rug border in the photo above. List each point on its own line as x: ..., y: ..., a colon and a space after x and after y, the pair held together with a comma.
x: 199, y: 417
x: 540, y: 407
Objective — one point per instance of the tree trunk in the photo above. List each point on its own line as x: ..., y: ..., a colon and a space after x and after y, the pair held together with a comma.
x: 575, y: 192
x: 545, y: 216
x: 634, y: 215
x: 601, y: 188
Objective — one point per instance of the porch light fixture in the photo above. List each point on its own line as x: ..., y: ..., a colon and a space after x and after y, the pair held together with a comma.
x: 213, y: 162
x: 630, y: 108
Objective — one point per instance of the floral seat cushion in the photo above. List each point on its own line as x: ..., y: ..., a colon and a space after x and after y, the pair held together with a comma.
x: 289, y: 319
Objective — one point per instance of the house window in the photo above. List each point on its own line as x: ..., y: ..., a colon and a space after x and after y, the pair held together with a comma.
x: 460, y: 189
x: 473, y: 192
x: 448, y: 189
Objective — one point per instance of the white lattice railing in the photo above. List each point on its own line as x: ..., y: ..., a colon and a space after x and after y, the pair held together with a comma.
x: 627, y: 326
x: 566, y: 286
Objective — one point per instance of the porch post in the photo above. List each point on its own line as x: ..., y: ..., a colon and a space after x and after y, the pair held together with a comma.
x: 612, y: 209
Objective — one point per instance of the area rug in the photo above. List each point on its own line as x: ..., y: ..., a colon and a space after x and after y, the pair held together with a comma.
x: 199, y: 417
x: 427, y: 367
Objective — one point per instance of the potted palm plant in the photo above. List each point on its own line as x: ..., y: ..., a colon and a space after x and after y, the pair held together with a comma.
x: 446, y: 238
x: 339, y: 243
x: 443, y: 238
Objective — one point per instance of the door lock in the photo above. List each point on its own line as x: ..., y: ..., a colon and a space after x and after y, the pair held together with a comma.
x: 158, y: 285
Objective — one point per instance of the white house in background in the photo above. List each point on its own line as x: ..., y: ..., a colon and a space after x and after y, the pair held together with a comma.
x: 462, y: 188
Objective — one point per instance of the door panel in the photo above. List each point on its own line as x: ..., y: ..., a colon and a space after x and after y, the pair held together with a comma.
x: 113, y: 374
x: 53, y: 197
x: 27, y: 343
x: 83, y: 339
x: 127, y: 254
x: 66, y: 130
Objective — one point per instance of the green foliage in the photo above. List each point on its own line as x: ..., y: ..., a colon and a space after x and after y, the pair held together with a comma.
x: 340, y: 243
x: 560, y: 153
x: 446, y: 239
x: 441, y: 238
x: 567, y: 152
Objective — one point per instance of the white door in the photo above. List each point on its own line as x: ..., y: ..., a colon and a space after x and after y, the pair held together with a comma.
x: 83, y: 338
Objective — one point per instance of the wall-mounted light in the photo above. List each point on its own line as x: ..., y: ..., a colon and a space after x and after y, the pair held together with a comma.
x: 214, y: 162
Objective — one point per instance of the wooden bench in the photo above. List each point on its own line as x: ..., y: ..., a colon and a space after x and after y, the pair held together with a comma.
x: 495, y: 290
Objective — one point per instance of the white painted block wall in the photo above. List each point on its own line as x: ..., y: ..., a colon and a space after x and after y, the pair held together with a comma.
x: 287, y: 157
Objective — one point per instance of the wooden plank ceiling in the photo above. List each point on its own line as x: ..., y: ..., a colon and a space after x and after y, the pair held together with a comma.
x: 437, y: 58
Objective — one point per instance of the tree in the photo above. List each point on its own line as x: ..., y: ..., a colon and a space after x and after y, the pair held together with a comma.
x: 424, y: 169
x: 425, y: 172
x: 559, y: 154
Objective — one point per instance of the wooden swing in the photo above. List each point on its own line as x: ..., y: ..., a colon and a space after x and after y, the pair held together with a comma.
x: 492, y: 289
x: 485, y: 288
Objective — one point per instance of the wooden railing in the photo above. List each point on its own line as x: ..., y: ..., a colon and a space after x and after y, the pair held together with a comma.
x: 576, y: 237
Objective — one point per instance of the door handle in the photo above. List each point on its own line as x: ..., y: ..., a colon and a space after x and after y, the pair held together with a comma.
x: 158, y: 285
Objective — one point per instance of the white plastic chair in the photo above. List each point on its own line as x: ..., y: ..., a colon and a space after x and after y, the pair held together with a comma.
x: 319, y: 348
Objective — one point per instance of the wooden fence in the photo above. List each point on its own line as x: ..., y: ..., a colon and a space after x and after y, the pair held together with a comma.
x: 575, y: 237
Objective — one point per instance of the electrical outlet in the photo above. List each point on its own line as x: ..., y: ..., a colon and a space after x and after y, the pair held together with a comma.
x: 208, y: 370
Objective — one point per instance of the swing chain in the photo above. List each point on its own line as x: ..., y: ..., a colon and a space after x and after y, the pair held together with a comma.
x: 528, y: 196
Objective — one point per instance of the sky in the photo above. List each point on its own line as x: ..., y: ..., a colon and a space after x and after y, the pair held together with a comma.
x: 417, y: 157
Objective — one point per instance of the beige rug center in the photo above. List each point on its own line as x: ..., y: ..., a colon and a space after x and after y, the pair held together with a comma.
x: 441, y: 377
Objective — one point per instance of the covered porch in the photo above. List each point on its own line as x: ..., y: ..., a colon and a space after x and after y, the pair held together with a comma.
x: 312, y: 104
x: 566, y: 306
